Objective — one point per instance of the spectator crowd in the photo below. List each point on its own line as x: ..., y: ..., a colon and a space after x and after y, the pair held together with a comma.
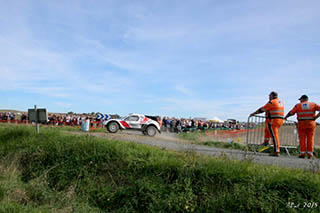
x: 53, y: 119
x: 185, y: 125
x: 177, y: 125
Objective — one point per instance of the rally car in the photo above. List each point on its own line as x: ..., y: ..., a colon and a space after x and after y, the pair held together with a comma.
x: 147, y: 124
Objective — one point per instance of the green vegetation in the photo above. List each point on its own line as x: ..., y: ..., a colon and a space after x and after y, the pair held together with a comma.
x: 193, y: 136
x: 60, y: 128
x: 53, y: 171
x: 231, y: 145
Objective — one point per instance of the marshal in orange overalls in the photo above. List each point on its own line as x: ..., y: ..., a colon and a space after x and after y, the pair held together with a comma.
x: 306, y: 125
x: 274, y: 110
x: 274, y: 119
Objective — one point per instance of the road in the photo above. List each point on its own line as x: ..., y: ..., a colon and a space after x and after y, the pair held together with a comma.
x: 170, y: 141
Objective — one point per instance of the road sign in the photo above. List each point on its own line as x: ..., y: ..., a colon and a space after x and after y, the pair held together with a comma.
x: 103, y: 116
x: 37, y: 115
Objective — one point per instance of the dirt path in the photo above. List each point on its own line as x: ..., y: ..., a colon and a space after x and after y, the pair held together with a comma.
x: 170, y: 141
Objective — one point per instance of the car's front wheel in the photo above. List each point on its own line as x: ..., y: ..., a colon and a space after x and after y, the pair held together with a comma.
x: 151, y: 131
x: 113, y: 127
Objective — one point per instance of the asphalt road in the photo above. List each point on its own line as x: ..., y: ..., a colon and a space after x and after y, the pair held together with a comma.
x: 170, y: 141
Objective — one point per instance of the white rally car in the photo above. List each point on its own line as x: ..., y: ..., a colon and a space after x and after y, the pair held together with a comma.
x: 147, y: 124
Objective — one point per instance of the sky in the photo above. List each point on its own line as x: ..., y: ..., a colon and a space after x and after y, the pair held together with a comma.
x: 190, y: 58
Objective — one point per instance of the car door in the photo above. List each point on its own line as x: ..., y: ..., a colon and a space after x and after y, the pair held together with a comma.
x: 133, y: 121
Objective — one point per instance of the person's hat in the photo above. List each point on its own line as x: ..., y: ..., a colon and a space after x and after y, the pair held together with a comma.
x: 303, y: 97
x: 275, y: 94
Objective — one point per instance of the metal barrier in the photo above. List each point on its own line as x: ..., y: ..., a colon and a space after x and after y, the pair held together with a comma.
x: 317, y: 137
x: 288, y: 133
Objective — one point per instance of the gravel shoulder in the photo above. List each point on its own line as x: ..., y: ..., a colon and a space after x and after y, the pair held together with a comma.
x: 170, y: 141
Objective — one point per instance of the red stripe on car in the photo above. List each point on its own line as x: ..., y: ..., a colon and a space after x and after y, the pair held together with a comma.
x: 144, y: 120
x: 125, y: 124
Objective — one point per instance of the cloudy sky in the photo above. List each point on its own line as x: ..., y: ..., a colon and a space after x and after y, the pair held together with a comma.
x: 198, y: 58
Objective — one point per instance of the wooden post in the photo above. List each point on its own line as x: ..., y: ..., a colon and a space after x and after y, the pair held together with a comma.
x: 37, y: 118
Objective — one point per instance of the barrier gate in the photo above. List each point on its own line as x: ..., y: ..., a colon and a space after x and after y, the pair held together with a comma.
x: 288, y: 134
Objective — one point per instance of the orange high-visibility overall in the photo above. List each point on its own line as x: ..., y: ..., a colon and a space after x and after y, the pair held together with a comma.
x: 274, y: 120
x: 306, y: 125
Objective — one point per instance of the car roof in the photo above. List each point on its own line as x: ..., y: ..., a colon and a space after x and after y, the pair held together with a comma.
x: 135, y: 114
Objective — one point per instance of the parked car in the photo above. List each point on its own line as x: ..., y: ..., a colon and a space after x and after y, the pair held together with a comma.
x: 148, y: 125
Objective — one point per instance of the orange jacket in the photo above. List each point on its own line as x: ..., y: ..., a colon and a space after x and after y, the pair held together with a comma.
x: 274, y: 109
x: 305, y: 110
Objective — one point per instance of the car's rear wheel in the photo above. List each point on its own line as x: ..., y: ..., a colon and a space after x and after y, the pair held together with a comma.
x: 113, y: 127
x: 151, y: 131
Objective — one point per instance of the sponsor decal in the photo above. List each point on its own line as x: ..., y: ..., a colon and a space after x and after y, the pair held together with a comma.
x: 305, y: 106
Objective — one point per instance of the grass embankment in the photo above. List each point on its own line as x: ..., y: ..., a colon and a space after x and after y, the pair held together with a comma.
x: 56, y: 172
x: 195, y: 138
x: 57, y: 127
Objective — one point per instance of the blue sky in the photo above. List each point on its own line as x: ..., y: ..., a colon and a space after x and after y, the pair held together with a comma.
x: 196, y: 58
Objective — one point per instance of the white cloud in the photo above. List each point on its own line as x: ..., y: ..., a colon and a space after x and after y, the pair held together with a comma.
x: 182, y: 89
x: 63, y: 104
x: 145, y: 34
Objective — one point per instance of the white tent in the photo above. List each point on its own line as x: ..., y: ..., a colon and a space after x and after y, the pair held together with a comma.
x: 216, y: 119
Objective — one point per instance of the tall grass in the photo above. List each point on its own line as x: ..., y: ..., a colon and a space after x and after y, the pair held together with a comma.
x: 52, y: 171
